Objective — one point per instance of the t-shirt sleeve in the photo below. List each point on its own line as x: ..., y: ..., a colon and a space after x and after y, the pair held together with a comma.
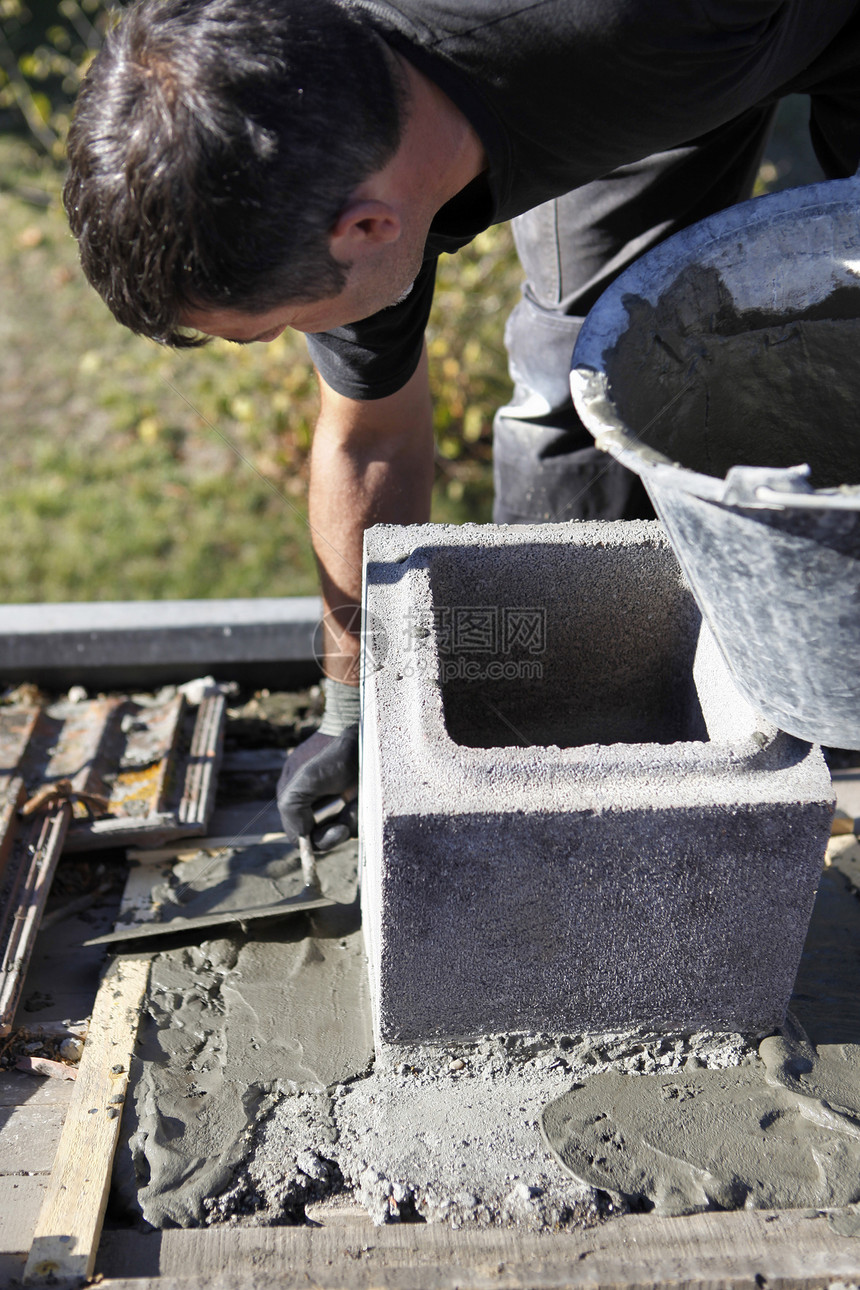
x: 376, y: 357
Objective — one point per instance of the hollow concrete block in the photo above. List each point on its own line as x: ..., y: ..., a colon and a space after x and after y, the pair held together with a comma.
x: 570, y: 819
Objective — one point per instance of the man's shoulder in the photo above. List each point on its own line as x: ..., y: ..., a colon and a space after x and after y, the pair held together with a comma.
x: 445, y: 19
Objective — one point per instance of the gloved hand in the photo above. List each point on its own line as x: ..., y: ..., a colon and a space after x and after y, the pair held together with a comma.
x: 324, y: 766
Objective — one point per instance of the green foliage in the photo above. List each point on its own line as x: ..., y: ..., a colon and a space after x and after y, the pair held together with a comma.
x: 475, y: 292
x: 136, y: 525
x: 130, y: 471
x: 139, y: 472
x: 45, y: 48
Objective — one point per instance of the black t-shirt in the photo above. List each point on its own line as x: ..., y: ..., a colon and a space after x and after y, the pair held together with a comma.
x: 561, y: 92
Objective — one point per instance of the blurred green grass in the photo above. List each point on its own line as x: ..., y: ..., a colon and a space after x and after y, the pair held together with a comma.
x: 132, y: 472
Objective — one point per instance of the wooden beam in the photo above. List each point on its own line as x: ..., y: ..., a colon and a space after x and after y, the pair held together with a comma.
x: 714, y: 1251
x: 70, y: 1221
x: 183, y: 849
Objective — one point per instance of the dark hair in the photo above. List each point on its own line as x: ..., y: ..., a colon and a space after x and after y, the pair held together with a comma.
x: 214, y: 144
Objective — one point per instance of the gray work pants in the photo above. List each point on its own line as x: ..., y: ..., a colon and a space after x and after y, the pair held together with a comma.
x: 546, y: 466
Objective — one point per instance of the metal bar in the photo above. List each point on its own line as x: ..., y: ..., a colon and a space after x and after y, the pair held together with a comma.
x: 37, y: 852
x: 198, y: 797
x: 219, y: 918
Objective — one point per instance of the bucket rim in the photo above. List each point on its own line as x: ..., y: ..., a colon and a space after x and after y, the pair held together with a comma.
x: 770, y: 488
x: 757, y: 487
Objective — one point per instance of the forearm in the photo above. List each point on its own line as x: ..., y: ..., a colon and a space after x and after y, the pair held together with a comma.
x: 371, y: 463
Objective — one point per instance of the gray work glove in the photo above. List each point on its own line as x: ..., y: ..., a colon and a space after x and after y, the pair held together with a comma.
x: 325, y: 766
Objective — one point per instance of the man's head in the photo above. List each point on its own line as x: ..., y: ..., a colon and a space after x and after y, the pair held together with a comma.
x: 214, y: 147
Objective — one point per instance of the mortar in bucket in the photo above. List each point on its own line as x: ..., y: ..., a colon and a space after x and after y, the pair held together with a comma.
x: 724, y: 368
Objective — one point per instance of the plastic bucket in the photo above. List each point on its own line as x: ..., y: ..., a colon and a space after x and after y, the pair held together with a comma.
x: 724, y: 368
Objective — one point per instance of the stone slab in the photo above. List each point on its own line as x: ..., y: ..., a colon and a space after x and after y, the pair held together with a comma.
x: 143, y: 642
x: 571, y: 820
x: 20, y: 1202
x: 18, y: 1088
x: 29, y: 1137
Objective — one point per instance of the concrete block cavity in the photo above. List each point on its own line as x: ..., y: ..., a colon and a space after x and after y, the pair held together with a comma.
x: 571, y: 820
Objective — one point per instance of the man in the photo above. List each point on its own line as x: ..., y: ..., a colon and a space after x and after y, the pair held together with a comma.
x: 240, y: 166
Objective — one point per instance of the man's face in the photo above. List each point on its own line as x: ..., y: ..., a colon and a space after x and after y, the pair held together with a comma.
x: 375, y: 283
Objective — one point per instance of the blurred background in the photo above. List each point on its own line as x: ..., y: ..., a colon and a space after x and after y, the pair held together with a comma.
x: 131, y: 472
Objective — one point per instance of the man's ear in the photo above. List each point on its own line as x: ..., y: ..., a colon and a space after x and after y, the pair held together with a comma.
x: 362, y: 226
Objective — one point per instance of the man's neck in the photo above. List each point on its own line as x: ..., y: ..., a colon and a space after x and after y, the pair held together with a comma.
x: 440, y: 152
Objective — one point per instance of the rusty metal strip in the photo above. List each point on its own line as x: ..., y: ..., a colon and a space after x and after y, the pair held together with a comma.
x: 150, y: 741
x: 16, y: 729
x: 201, y: 774
x: 77, y: 736
x: 30, y: 871
x: 172, y: 796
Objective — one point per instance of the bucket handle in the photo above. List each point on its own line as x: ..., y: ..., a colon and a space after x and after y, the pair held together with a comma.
x: 808, y: 501
x: 782, y: 489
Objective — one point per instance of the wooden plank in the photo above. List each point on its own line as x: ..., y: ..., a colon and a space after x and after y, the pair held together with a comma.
x: 69, y: 1224
x: 136, y: 905
x: 182, y: 849
x: 846, y: 784
x: 792, y: 1248
x: 16, y: 729
x: 14, y: 795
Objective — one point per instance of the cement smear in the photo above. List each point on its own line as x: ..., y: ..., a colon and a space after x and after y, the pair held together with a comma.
x: 781, y: 1131
x: 703, y: 1140
x: 231, y: 1025
x: 256, y: 1092
x: 444, y: 1134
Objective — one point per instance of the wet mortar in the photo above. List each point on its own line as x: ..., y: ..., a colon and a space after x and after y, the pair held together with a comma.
x: 746, y: 387
x: 256, y: 1091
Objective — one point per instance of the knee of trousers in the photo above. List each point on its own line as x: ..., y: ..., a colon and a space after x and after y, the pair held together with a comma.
x: 540, y: 347
x: 545, y: 465
x: 539, y: 478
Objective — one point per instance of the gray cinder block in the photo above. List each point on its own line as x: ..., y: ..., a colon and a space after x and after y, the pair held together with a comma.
x: 570, y: 819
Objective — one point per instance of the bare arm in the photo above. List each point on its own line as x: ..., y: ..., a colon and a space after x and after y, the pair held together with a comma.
x: 371, y: 463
